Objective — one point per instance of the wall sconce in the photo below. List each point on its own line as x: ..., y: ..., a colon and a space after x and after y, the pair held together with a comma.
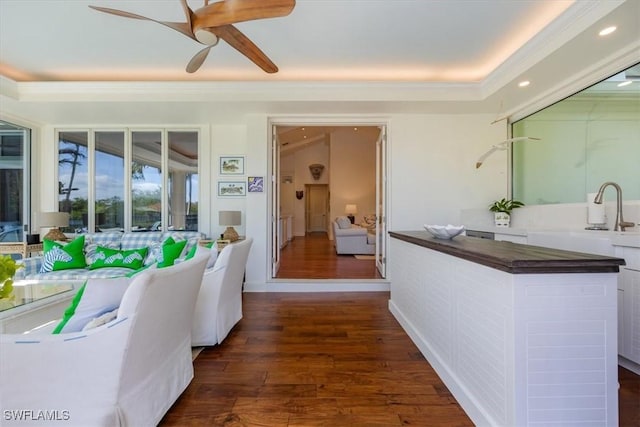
x: 316, y: 170
x: 299, y: 194
x: 229, y: 219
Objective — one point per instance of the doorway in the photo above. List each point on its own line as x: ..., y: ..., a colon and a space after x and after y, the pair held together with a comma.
x: 316, y: 208
x: 353, y: 164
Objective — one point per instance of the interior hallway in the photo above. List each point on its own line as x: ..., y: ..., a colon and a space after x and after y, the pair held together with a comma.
x: 314, y: 257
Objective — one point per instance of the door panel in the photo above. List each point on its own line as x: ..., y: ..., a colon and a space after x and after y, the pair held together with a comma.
x: 381, y: 202
x: 317, y: 207
x: 275, y: 202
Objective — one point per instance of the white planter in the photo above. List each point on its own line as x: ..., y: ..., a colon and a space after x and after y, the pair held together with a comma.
x: 502, y: 219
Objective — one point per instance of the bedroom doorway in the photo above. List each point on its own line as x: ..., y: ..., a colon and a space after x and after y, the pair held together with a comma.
x: 317, y: 208
x: 317, y: 171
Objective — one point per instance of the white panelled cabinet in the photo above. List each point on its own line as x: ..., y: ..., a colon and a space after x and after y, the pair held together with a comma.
x: 510, y: 238
x: 629, y: 309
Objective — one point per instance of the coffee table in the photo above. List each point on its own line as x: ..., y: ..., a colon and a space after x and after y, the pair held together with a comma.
x: 34, y: 303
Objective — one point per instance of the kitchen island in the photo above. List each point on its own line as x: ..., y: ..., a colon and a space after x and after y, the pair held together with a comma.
x: 521, y: 335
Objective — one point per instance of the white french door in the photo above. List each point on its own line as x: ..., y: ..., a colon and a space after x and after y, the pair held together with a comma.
x: 381, y: 202
x: 276, y: 224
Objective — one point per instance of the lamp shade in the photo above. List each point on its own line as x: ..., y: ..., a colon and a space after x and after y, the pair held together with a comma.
x: 54, y: 219
x: 227, y: 218
x: 351, y: 209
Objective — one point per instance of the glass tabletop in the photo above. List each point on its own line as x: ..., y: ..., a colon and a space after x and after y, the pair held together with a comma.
x: 28, y: 292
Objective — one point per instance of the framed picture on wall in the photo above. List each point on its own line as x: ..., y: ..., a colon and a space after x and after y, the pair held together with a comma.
x: 256, y: 184
x: 231, y: 165
x: 232, y: 188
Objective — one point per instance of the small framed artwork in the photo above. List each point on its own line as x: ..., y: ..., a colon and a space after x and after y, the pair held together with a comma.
x: 232, y: 188
x: 231, y: 165
x: 256, y: 184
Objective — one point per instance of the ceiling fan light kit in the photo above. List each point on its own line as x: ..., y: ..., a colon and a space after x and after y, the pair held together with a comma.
x: 214, y: 21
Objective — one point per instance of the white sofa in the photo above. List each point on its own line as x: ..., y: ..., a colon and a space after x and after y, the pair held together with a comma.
x: 351, y: 239
x: 219, y: 305
x: 127, y: 372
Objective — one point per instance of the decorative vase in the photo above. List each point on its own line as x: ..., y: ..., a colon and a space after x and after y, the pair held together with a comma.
x: 502, y: 219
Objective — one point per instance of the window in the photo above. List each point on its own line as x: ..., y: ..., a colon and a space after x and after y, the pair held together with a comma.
x: 14, y: 189
x: 116, y: 178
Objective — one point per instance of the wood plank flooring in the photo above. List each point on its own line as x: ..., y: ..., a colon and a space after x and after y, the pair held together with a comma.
x: 312, y: 359
x: 314, y: 257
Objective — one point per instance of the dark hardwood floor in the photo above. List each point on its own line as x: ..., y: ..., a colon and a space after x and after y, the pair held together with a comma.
x: 332, y: 359
x: 314, y: 257
x: 327, y: 359
x: 311, y: 359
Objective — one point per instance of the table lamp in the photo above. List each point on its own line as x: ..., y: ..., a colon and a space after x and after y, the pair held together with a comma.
x: 54, y: 220
x: 229, y: 219
x: 351, y: 210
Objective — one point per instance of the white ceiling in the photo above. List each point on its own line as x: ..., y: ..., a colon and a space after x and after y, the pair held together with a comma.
x: 421, y: 40
x: 418, y: 55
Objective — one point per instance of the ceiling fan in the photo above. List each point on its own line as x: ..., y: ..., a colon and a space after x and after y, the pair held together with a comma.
x: 214, y: 21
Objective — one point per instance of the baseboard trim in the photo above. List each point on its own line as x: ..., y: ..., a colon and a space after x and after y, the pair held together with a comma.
x: 319, y: 286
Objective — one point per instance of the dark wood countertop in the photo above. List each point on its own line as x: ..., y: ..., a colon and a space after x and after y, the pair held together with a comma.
x: 511, y: 257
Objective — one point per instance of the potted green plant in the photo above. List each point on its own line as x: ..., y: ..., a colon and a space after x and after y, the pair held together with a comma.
x: 502, y: 211
x: 8, y: 268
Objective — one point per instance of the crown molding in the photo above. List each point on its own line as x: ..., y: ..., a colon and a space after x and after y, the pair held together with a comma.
x: 243, y: 91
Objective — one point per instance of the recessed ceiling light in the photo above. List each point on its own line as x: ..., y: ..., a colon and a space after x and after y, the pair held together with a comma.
x: 625, y: 83
x: 356, y: 129
x: 608, y: 30
x: 524, y: 83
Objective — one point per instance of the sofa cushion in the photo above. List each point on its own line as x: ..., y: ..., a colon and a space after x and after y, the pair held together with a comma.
x: 170, y: 252
x: 343, y: 222
x: 140, y: 239
x: 95, y: 298
x: 192, y: 238
x: 80, y: 274
x: 107, y: 257
x: 63, y: 257
x: 155, y: 251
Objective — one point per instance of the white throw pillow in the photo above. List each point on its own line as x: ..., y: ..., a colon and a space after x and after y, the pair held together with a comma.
x: 101, y: 320
x: 95, y: 298
x: 343, y: 222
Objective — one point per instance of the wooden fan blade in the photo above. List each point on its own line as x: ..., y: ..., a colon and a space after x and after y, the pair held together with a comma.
x: 232, y: 11
x: 198, y: 59
x: 242, y: 44
x: 188, y: 13
x: 182, y: 27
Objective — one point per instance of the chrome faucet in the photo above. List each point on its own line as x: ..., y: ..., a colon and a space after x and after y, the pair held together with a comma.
x: 620, y: 223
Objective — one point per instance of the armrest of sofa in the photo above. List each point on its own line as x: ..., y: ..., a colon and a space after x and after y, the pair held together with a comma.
x: 29, y: 266
x: 348, y: 232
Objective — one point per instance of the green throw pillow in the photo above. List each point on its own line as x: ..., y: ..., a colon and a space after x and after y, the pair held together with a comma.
x: 107, y: 257
x: 63, y: 257
x: 171, y: 252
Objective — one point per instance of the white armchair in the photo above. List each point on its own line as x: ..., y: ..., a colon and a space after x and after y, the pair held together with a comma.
x: 219, y: 305
x: 127, y: 372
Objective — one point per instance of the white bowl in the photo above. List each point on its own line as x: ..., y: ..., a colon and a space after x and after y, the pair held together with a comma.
x: 444, y: 231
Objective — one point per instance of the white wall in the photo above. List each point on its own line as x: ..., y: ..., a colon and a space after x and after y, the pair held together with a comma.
x: 431, y: 173
x: 353, y: 170
x: 226, y: 140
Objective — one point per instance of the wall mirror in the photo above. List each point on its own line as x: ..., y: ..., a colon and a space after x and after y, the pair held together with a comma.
x: 587, y: 139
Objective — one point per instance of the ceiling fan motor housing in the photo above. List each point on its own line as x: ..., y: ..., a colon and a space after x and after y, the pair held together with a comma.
x: 206, y: 37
